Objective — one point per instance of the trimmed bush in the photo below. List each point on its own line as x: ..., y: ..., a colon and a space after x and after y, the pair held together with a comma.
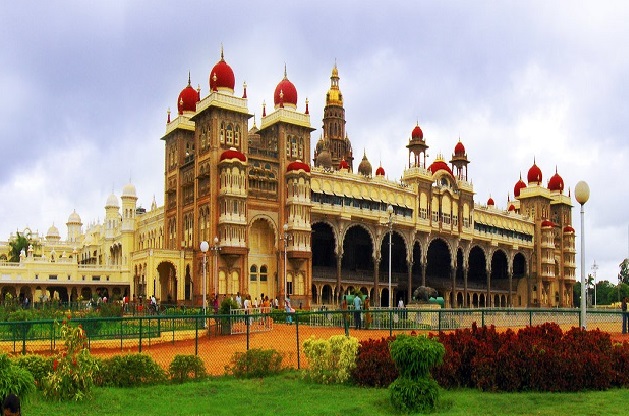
x: 187, y: 367
x: 131, y: 370
x: 255, y: 362
x: 411, y: 396
x: 414, y: 356
x: 374, y: 365
x: 38, y: 365
x: 330, y: 361
x: 14, y: 379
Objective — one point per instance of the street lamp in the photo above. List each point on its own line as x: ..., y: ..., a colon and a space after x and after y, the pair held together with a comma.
x: 287, y: 238
x: 215, y: 249
x: 594, y: 269
x: 390, y: 213
x: 582, y: 194
x: 205, y: 246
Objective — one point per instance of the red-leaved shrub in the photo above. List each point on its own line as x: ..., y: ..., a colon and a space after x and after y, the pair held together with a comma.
x: 374, y: 366
x: 540, y: 358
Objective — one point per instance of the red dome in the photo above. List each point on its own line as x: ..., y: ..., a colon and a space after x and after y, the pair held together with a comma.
x: 459, y: 149
x: 490, y: 202
x: 232, y: 153
x: 568, y: 229
x: 343, y: 164
x: 380, y: 171
x: 535, y: 174
x: 222, y: 76
x: 297, y: 165
x: 285, y: 92
x: 417, y: 133
x: 438, y: 165
x: 518, y: 186
x: 556, y: 182
x: 547, y: 223
x: 511, y: 207
x: 187, y: 100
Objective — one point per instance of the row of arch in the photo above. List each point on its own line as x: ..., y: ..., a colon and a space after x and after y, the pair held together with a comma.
x: 361, y: 253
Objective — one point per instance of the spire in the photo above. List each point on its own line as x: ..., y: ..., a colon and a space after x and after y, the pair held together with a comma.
x: 263, y: 108
x: 222, y: 56
x: 189, y: 83
x: 168, y: 112
x: 307, y: 112
x: 244, y: 87
x: 285, y: 75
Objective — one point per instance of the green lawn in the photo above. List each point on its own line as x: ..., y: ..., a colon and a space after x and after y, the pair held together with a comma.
x: 288, y: 395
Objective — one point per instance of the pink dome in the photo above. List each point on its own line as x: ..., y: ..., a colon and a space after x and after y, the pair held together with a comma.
x: 459, y: 149
x: 285, y: 93
x: 297, y: 165
x: 568, y: 229
x: 343, y: 164
x: 490, y: 202
x: 535, y: 174
x: 380, y: 171
x: 232, y: 153
x: 511, y: 207
x: 438, y: 165
x: 222, y: 76
x: 547, y: 223
x: 518, y: 187
x: 187, y: 100
x: 417, y: 133
x: 555, y: 183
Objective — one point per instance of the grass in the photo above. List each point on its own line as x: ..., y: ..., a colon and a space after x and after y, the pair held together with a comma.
x: 287, y: 394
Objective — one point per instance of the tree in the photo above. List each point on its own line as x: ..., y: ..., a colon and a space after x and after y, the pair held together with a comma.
x: 623, y: 276
x: 19, y: 243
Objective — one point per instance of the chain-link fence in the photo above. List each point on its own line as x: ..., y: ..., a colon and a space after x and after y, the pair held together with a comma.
x: 216, y: 338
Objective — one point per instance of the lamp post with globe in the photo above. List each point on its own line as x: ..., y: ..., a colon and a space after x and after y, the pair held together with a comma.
x: 205, y: 246
x: 582, y: 194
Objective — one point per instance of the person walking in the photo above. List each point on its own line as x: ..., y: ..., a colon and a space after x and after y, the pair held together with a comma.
x: 623, y: 306
x: 289, y: 310
x: 357, y: 312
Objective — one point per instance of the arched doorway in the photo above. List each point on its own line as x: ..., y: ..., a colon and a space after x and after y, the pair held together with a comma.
x: 167, y: 283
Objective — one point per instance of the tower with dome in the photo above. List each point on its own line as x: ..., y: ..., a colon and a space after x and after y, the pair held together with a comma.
x: 284, y: 218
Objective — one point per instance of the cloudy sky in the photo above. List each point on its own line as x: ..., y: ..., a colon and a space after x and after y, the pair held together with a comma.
x: 85, y: 87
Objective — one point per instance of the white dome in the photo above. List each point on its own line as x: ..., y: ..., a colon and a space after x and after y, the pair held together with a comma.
x: 74, y: 218
x: 53, y: 232
x: 129, y: 190
x: 112, y: 202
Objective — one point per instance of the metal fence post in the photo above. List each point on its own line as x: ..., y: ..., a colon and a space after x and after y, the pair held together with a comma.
x: 247, y: 322
x: 196, y: 335
x: 140, y: 346
x: 390, y: 321
x: 482, y: 317
x: 297, y: 331
x: 439, y: 316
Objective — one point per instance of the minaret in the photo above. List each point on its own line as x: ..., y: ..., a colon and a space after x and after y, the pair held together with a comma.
x: 338, y: 143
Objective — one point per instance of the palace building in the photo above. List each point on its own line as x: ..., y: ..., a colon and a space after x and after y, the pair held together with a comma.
x: 285, y: 217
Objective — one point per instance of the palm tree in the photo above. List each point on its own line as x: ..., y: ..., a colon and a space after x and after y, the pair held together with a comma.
x: 19, y: 243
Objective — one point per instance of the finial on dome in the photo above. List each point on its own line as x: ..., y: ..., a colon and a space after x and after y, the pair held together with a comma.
x: 263, y: 108
x: 222, y: 56
x: 285, y: 75
x: 254, y: 120
x: 189, y: 79
x: 168, y: 112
